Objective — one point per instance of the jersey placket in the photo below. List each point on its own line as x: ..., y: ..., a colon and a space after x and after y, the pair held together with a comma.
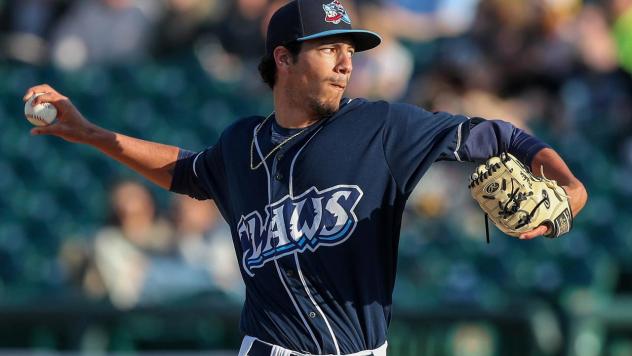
x: 278, y: 185
x: 290, y: 266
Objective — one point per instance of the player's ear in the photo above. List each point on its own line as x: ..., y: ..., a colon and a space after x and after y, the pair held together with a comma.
x: 282, y: 57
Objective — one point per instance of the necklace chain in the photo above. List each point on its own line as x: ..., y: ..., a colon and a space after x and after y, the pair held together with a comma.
x: 252, y: 145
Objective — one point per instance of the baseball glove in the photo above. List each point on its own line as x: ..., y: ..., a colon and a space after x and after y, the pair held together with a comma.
x: 517, y: 201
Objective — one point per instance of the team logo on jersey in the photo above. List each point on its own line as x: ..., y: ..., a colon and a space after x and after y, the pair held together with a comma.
x: 313, y: 219
x: 334, y: 13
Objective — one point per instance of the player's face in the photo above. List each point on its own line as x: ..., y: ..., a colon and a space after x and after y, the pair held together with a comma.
x: 320, y: 75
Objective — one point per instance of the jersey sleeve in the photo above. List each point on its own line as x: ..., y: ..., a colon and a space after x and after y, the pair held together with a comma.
x: 414, y: 138
x: 486, y: 138
x: 200, y: 175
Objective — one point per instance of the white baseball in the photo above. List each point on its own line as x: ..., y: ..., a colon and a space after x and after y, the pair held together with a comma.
x: 40, y: 115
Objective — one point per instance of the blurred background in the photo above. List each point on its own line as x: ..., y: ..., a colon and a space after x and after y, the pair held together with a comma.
x: 95, y: 260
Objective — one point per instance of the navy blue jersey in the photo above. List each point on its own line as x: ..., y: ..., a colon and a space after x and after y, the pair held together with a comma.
x: 316, y: 227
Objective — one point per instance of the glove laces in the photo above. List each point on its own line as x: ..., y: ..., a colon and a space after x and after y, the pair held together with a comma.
x: 512, y: 206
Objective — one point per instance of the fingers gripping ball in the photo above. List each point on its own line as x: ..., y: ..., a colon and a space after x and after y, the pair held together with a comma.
x: 41, y: 114
x: 516, y: 200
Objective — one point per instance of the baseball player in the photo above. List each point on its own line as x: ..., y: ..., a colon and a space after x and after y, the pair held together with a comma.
x: 314, y: 192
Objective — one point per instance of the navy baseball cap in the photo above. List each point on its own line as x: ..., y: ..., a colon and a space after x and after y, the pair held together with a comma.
x: 302, y: 20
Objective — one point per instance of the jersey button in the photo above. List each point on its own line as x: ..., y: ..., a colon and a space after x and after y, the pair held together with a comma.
x: 289, y: 273
x: 279, y: 156
x: 278, y: 176
x: 312, y: 315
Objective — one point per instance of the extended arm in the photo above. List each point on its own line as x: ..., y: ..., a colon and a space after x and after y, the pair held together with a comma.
x: 154, y: 161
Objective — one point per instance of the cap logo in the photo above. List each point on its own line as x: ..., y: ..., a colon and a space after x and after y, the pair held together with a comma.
x: 334, y: 13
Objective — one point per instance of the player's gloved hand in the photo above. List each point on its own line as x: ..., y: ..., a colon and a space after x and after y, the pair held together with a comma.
x: 70, y: 124
x: 576, y: 199
x: 519, y: 203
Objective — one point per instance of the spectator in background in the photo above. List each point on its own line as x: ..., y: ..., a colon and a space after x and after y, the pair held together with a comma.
x: 591, y: 35
x: 426, y: 20
x: 123, y: 251
x: 384, y: 72
x: 231, y: 52
x: 103, y: 32
x: 143, y: 260
x: 27, y: 24
x: 184, y: 21
x: 529, y: 50
x: 203, y: 241
x: 240, y: 32
x: 31, y: 16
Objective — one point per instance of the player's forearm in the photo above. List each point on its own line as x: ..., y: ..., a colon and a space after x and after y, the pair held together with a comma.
x: 154, y: 161
x: 555, y: 168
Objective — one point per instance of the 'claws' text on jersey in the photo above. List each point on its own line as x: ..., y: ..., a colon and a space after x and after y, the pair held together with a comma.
x: 313, y: 219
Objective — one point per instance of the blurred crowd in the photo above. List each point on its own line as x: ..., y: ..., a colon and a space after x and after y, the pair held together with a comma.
x: 559, y: 68
x: 516, y: 60
x: 143, y: 258
x: 490, y: 57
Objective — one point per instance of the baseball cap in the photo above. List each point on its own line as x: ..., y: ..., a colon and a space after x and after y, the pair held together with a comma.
x: 302, y: 20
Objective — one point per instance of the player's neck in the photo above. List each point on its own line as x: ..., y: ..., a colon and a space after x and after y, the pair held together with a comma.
x: 291, y: 114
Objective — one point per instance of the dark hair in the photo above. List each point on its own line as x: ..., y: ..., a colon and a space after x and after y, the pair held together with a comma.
x: 267, y: 65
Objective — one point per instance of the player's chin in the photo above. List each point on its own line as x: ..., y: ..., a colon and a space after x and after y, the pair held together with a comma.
x: 333, y: 103
x: 334, y: 96
x: 325, y: 107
